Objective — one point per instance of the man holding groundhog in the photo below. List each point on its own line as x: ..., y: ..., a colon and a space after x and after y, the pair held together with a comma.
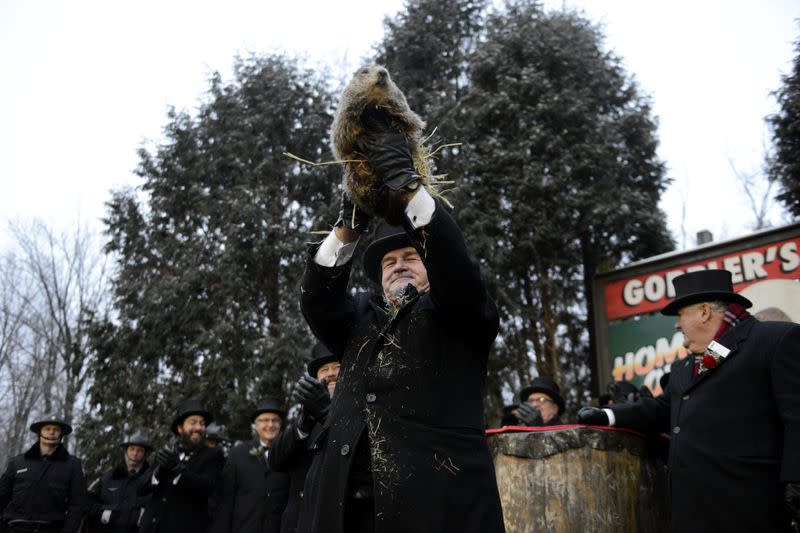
x: 403, y: 448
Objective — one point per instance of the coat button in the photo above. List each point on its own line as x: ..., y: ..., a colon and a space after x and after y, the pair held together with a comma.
x: 676, y: 430
x: 685, y: 397
x: 345, y: 449
x: 371, y: 397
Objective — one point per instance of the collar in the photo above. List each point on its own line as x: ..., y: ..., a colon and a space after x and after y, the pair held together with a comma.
x: 59, y: 454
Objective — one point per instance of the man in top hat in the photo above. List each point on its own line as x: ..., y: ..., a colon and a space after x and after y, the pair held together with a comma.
x: 405, y: 447
x: 293, y: 450
x: 44, y: 489
x: 541, y: 403
x: 732, y: 408
x: 184, y: 476
x: 116, y: 506
x: 253, y: 496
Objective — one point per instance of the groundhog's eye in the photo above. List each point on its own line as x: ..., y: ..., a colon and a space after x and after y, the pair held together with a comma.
x: 364, y: 71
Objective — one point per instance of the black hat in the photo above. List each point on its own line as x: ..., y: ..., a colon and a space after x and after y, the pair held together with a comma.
x: 320, y: 356
x: 66, y: 429
x: 137, y: 439
x: 187, y: 409
x: 386, y: 239
x: 545, y: 385
x: 268, y: 404
x: 703, y: 286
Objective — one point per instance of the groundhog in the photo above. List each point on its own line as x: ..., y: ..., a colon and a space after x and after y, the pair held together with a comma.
x: 372, y: 103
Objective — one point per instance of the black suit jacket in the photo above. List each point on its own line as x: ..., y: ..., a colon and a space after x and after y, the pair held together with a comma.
x: 735, y: 431
x: 253, y: 496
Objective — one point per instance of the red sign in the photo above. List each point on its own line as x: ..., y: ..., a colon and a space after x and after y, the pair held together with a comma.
x: 651, y: 292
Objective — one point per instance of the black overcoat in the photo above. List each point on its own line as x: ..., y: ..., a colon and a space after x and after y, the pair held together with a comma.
x: 50, y: 488
x: 118, y: 491
x: 253, y: 496
x: 291, y: 454
x: 735, y: 431
x: 179, y: 504
x: 414, y: 382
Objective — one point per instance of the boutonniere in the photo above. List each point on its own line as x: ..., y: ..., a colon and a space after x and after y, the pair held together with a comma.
x: 255, y: 451
x: 713, y: 357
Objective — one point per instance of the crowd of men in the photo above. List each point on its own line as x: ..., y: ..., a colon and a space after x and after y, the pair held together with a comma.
x: 391, y: 432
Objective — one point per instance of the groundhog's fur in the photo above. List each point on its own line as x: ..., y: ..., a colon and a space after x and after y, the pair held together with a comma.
x: 372, y: 103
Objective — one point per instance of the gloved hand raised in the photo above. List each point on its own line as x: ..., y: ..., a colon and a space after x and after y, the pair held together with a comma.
x: 351, y: 217
x: 313, y: 396
x: 593, y: 416
x: 530, y: 415
x: 166, y: 459
x: 390, y: 156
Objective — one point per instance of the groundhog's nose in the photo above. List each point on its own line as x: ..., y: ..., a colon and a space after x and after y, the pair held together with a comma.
x: 382, y: 74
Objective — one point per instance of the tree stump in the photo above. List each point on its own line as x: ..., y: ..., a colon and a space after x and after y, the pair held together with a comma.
x: 580, y: 479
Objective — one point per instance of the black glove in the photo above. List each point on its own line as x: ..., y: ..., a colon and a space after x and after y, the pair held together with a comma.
x: 530, y: 415
x: 166, y: 459
x: 351, y: 217
x: 594, y: 416
x: 389, y: 154
x: 792, y: 499
x: 313, y: 396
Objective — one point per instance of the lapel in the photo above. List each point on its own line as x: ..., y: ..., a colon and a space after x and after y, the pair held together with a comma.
x: 732, y: 339
x: 682, y: 374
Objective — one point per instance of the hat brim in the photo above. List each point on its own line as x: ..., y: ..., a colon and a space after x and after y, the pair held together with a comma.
x: 66, y: 429
x: 315, y: 364
x: 527, y: 391
x: 277, y: 410
x: 672, y: 308
x: 179, y: 419
x: 380, y: 247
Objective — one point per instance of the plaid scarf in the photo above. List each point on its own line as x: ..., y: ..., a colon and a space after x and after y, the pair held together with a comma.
x: 733, y: 316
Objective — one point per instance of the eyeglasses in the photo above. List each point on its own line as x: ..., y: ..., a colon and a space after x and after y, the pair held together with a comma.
x: 540, y: 400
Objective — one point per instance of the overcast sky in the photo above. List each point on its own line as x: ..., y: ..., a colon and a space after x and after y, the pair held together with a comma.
x: 84, y: 83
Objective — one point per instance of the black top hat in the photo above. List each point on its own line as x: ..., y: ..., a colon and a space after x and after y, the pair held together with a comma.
x: 66, y: 429
x: 320, y: 356
x: 268, y: 404
x: 547, y: 386
x: 187, y: 409
x: 387, y: 238
x: 703, y: 286
x: 137, y: 439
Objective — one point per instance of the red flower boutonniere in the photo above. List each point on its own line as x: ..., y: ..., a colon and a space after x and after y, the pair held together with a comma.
x: 715, y: 355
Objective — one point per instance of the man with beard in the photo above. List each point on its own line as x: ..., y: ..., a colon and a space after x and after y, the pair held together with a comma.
x: 253, y: 496
x: 116, y: 506
x: 732, y: 408
x: 44, y: 489
x: 293, y: 450
x: 404, y: 446
x: 184, y: 476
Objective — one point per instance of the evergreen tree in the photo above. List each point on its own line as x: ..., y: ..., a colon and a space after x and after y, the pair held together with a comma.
x: 209, y: 257
x: 784, y: 166
x: 563, y: 183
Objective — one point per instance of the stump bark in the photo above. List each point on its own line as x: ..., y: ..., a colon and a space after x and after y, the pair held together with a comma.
x: 580, y: 479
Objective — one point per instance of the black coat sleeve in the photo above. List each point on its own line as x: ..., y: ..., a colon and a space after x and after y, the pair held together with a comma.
x: 648, y: 415
x: 457, y: 288
x: 785, y: 375
x: 324, y: 300
x: 286, y: 450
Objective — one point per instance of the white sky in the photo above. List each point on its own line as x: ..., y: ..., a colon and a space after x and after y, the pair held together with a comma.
x: 84, y: 83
